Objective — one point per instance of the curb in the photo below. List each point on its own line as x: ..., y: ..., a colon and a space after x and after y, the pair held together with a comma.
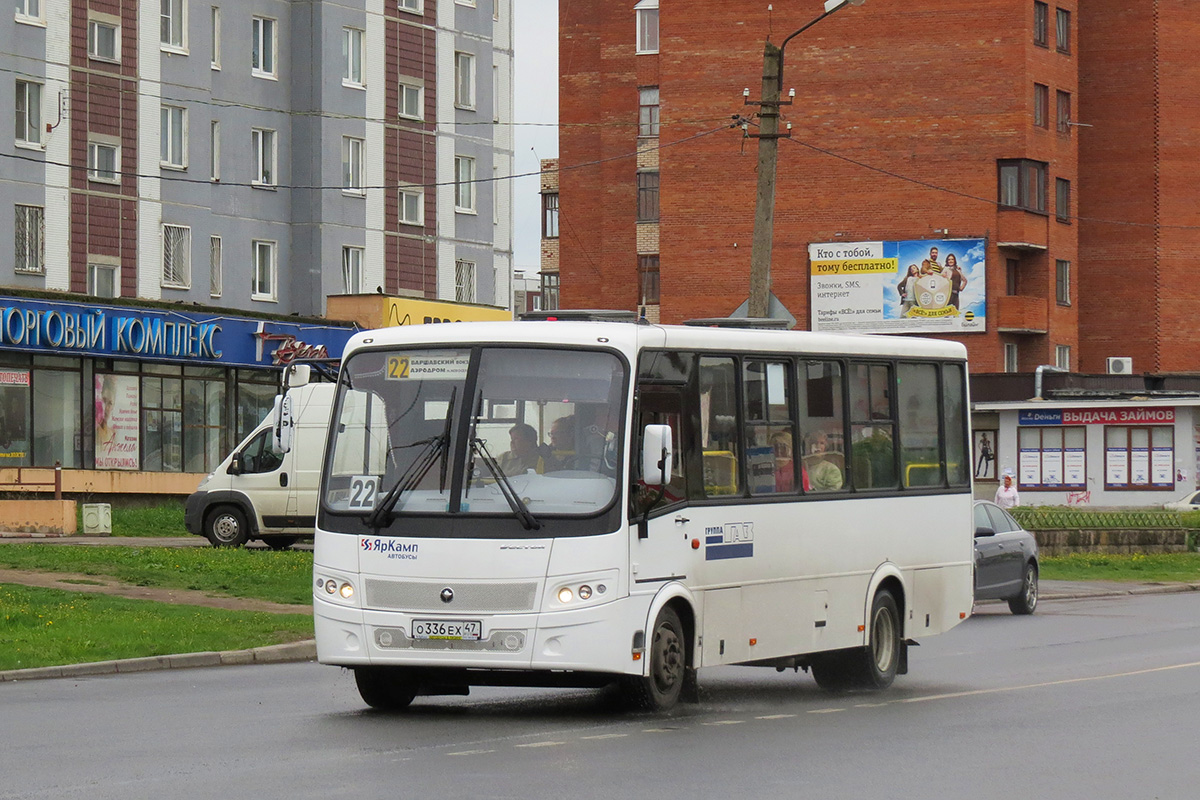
x: 272, y: 654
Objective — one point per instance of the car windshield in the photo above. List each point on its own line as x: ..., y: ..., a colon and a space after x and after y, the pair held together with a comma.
x: 532, y: 434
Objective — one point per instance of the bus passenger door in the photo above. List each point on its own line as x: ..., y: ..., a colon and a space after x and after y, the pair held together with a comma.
x: 661, y: 546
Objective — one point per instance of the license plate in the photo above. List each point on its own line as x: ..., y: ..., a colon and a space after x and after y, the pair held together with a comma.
x: 456, y: 629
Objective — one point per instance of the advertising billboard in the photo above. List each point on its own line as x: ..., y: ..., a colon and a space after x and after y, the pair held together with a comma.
x: 914, y: 286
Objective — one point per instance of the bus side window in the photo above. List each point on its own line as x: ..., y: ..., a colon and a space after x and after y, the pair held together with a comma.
x: 718, y: 426
x: 917, y: 398
x: 872, y: 429
x: 822, y: 426
x: 770, y: 460
x: 954, y: 409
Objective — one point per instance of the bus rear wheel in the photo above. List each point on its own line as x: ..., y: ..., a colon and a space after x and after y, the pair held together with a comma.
x: 869, y: 668
x: 384, y: 688
x: 666, y: 651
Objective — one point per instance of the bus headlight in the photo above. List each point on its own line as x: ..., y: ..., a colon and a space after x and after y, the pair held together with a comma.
x: 565, y: 595
x: 347, y: 591
x: 335, y: 588
x: 580, y: 590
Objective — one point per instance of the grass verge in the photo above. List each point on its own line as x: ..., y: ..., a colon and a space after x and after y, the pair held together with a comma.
x: 48, y: 627
x: 281, y: 577
x: 163, y: 520
x: 1135, y: 567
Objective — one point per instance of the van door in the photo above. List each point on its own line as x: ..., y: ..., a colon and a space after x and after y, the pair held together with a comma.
x: 262, y: 480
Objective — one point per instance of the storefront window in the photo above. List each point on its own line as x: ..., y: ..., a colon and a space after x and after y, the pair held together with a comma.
x: 57, y: 426
x: 204, y: 423
x: 1052, y: 457
x: 255, y: 398
x: 162, y: 424
x: 1139, y: 457
x: 14, y: 416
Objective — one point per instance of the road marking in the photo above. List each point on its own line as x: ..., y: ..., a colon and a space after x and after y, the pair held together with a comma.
x: 871, y: 705
x: 725, y: 722
x: 1064, y: 682
x: 659, y: 730
x: 606, y: 736
x: 540, y: 744
x: 776, y: 716
x: 470, y: 752
x: 826, y: 710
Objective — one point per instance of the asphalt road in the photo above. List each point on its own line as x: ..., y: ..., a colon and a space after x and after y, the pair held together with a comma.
x: 1087, y: 699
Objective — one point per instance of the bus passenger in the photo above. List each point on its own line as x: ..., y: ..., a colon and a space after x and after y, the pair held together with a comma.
x: 562, y: 444
x: 525, y: 453
x: 824, y: 475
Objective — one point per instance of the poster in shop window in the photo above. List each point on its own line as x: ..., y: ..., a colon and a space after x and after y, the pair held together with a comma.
x: 14, y: 416
x: 117, y: 422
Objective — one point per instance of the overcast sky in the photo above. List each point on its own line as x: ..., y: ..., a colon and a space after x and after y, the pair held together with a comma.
x: 536, y: 101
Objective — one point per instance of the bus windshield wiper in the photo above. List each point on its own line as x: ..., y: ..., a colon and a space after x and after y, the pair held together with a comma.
x: 435, y: 447
x: 515, y: 502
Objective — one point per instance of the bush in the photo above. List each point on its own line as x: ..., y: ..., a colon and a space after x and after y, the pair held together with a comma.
x: 1037, y: 518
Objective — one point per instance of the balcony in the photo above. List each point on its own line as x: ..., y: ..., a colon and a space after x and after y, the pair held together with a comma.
x: 1022, y: 314
x: 1018, y: 229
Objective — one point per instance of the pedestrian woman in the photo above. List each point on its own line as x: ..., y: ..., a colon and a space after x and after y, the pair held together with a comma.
x: 1006, y: 493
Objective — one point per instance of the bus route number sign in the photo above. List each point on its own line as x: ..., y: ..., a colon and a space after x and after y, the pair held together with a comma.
x: 433, y: 367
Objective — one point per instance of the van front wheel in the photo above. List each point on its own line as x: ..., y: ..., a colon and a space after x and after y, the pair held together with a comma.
x: 226, y: 527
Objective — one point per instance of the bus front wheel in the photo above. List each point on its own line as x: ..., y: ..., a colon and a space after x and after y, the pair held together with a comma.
x: 384, y: 688
x: 660, y: 688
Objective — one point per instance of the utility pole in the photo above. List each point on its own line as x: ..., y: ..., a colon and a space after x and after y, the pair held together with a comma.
x: 768, y: 155
x: 764, y: 203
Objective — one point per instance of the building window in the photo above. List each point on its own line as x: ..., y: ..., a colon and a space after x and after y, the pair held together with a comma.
x: 102, y: 280
x: 214, y: 150
x: 413, y: 6
x: 352, y: 261
x: 648, y: 109
x: 464, y: 80
x: 29, y: 229
x: 1062, y: 357
x: 1023, y: 184
x: 1062, y: 282
x: 162, y: 423
x: 1041, y: 105
x: 648, y: 285
x: 412, y: 100
x: 29, y: 113
x: 263, y: 144
x: 173, y: 137
x: 1050, y: 457
x: 215, y: 272
x: 647, y: 197
x: 28, y: 10
x: 352, y: 56
x: 352, y: 165
x: 262, y: 49
x: 550, y: 215
x: 177, y: 256
x: 1041, y: 13
x: 104, y: 162
x: 464, y: 184
x: 464, y: 281
x: 1011, y: 364
x: 647, y: 26
x: 1139, y: 457
x: 495, y: 93
x: 1062, y: 30
x: 412, y: 207
x: 549, y: 291
x: 1011, y: 267
x: 172, y: 30
x: 263, y: 279
x: 103, y: 41
x: 1064, y: 112
x: 216, y: 38
x: 1062, y: 199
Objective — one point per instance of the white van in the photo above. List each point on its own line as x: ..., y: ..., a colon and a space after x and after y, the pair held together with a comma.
x: 267, y: 487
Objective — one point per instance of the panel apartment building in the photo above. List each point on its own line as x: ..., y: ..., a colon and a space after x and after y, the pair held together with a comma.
x: 1050, y: 145
x: 189, y: 181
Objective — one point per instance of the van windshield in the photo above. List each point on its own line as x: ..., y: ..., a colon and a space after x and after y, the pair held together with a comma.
x: 520, y: 432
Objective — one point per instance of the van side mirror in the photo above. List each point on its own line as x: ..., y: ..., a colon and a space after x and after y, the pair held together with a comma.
x: 657, y: 453
x: 235, y: 464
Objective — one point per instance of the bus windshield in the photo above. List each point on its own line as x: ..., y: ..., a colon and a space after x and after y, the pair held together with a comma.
x: 512, y: 431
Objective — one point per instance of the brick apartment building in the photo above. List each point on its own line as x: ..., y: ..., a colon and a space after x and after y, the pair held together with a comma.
x: 1014, y: 123
x: 183, y: 180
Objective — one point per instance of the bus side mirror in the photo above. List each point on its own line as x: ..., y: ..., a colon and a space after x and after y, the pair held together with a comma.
x: 281, y: 432
x: 657, y: 452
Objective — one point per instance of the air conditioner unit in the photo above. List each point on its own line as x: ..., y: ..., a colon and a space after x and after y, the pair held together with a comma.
x: 1120, y: 366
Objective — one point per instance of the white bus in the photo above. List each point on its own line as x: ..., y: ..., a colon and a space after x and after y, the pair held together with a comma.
x: 494, y: 511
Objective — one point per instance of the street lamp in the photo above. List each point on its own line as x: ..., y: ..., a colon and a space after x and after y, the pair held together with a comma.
x: 768, y: 149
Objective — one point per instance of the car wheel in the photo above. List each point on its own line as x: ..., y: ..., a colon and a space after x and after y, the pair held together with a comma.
x: 226, y: 527
x: 1027, y: 600
x: 384, y: 688
x: 280, y: 542
x: 660, y: 689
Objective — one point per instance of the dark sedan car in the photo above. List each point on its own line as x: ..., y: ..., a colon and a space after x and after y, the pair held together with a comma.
x: 1006, y: 559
